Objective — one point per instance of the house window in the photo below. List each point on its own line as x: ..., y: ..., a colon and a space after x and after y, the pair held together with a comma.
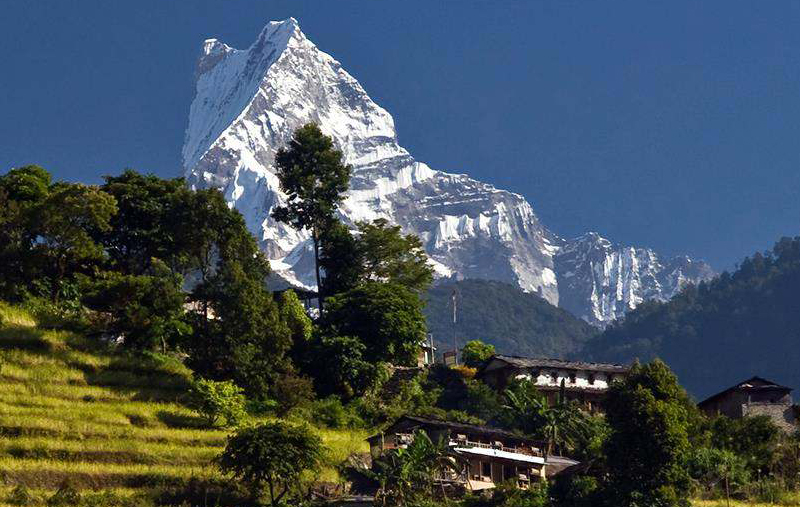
x: 486, y: 469
x: 591, y: 379
x: 572, y: 378
x: 554, y: 376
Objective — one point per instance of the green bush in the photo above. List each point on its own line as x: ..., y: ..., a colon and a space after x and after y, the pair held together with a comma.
x: 331, y: 413
x: 718, y: 471
x: 67, y: 314
x: 218, y: 402
x: 270, y: 458
x: 475, y: 353
x: 292, y: 391
x: 508, y: 495
x: 262, y: 406
x: 768, y: 492
x: 574, y: 491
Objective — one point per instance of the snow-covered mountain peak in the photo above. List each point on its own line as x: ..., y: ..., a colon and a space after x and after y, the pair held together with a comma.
x: 247, y: 104
x: 614, y: 278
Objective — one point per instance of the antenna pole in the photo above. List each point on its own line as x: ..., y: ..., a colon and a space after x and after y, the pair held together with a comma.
x: 455, y: 347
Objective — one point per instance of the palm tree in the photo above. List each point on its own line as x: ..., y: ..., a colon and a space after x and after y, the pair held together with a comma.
x: 559, y: 425
x: 403, y: 473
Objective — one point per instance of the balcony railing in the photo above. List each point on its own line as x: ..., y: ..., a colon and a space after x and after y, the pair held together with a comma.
x: 519, y: 450
x: 403, y: 439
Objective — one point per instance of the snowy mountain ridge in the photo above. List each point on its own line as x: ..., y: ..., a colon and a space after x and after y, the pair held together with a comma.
x: 248, y: 103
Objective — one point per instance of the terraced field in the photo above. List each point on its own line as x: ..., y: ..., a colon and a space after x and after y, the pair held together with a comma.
x: 108, y: 424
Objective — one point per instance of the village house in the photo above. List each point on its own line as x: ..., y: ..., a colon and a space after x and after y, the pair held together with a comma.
x: 493, y: 455
x: 755, y: 396
x: 426, y: 354
x: 584, y: 382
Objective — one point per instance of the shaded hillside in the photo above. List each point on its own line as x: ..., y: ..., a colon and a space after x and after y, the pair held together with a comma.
x: 738, y: 325
x: 513, y: 321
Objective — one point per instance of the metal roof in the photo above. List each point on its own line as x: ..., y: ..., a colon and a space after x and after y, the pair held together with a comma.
x: 466, y: 428
x: 535, y: 362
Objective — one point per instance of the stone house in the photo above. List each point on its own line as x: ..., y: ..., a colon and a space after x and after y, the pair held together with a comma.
x: 755, y: 396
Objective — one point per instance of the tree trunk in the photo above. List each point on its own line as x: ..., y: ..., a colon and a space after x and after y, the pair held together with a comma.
x: 315, y: 239
x: 271, y: 492
x: 62, y: 269
x: 727, y: 492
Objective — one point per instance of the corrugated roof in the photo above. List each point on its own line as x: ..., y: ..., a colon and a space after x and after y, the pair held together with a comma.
x: 536, y: 362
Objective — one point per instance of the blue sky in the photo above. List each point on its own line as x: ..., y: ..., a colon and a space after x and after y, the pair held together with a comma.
x: 674, y: 125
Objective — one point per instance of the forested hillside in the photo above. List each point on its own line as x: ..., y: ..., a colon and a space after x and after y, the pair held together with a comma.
x: 740, y: 324
x: 498, y: 313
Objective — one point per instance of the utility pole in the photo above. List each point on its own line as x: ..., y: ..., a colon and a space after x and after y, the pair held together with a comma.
x: 455, y: 347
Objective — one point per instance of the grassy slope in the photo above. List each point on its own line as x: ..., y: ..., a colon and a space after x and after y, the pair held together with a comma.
x: 70, y: 411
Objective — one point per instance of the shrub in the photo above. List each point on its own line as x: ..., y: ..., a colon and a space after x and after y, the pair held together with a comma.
x: 290, y: 391
x: 331, y: 413
x: 754, y: 438
x: 271, y: 454
x: 574, y: 491
x: 508, y: 495
x: 475, y: 352
x: 261, y: 407
x: 218, y: 401
x: 68, y: 314
x: 717, y: 468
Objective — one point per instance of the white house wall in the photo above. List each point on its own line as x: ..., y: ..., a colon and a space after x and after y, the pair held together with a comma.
x: 545, y: 378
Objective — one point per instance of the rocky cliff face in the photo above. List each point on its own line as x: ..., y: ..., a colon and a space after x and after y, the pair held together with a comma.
x: 246, y: 106
x: 599, y: 281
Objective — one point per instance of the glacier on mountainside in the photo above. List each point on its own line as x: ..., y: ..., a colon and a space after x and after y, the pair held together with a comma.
x: 248, y: 103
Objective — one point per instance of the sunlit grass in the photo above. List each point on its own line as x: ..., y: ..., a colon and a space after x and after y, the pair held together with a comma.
x: 71, y: 410
x: 40, y: 495
x: 12, y: 315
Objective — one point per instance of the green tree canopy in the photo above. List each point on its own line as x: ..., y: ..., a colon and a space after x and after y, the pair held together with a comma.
x: 66, y: 217
x: 314, y: 179
x: 146, y: 309
x: 561, y: 424
x: 378, y: 252
x: 22, y: 191
x: 648, y: 447
x: 340, y: 258
x: 387, y: 255
x: 340, y: 366
x: 295, y: 316
x: 386, y: 317
x: 475, y: 352
x: 146, y: 224
x: 753, y: 438
x: 271, y: 456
